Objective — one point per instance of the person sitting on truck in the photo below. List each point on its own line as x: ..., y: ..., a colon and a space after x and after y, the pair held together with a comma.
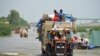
x: 56, y: 16
x: 49, y: 35
x: 40, y: 25
x: 61, y: 16
x: 42, y: 20
x: 66, y: 34
x: 71, y: 18
x: 57, y: 36
x: 52, y: 34
x: 39, y: 28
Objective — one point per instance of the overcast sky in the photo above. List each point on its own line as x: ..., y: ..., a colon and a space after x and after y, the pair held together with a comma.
x: 32, y: 10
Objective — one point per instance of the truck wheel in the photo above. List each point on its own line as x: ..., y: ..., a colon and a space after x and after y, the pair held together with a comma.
x: 70, y: 53
x: 25, y: 35
x: 21, y: 35
x: 47, y: 53
x: 43, y: 52
x: 54, y: 54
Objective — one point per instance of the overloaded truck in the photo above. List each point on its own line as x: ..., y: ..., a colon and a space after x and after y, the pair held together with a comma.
x: 52, y: 46
x: 55, y: 35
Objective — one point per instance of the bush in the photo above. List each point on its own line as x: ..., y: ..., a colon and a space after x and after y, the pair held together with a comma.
x: 5, y: 29
x: 83, y: 28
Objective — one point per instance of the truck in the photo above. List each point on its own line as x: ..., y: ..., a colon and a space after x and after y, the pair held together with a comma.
x: 23, y: 32
x: 52, y: 47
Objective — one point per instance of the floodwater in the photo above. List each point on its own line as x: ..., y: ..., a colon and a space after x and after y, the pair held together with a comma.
x: 23, y: 46
x: 15, y: 46
x: 86, y: 52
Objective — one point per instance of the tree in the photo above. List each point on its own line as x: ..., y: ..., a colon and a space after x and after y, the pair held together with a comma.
x: 13, y: 17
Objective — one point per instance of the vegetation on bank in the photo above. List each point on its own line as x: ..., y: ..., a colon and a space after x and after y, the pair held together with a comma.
x: 13, y: 20
x: 86, y: 28
x: 5, y: 29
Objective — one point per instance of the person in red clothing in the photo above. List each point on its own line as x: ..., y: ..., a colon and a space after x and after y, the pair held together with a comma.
x: 56, y: 16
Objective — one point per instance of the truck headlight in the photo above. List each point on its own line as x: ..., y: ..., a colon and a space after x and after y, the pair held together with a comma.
x: 58, y: 46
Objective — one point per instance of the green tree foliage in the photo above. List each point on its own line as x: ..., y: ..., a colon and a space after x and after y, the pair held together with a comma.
x: 22, y: 22
x: 15, y: 19
x: 4, y: 28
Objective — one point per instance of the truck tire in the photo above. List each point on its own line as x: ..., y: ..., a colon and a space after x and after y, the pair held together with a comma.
x: 43, y: 52
x: 21, y: 35
x: 70, y: 53
x: 47, y: 53
x: 25, y: 35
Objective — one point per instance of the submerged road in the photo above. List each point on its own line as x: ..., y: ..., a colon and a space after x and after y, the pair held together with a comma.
x: 15, y: 46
